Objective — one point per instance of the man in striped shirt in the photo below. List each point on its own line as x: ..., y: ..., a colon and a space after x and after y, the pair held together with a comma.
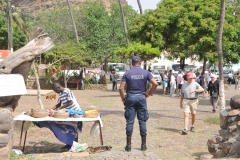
x: 66, y: 132
x: 66, y: 98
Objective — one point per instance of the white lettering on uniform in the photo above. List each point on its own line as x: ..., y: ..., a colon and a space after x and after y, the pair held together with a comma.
x: 137, y: 77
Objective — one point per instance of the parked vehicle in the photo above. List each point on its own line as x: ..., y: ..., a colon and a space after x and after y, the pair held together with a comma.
x: 157, y: 76
x: 161, y: 68
x: 120, y: 69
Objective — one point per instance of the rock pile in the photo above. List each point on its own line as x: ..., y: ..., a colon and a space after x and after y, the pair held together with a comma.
x: 227, y: 143
x: 6, y: 133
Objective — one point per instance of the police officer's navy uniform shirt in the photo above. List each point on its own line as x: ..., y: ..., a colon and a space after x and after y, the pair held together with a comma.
x: 136, y: 79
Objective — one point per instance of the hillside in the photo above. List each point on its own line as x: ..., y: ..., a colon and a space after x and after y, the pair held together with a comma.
x: 35, y: 6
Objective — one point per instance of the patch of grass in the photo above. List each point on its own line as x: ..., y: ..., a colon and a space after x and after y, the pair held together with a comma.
x: 14, y: 156
x: 19, y: 157
x: 32, y: 124
x: 212, y: 120
x: 198, y: 154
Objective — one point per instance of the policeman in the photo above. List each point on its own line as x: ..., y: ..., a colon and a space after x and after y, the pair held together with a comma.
x: 135, y: 102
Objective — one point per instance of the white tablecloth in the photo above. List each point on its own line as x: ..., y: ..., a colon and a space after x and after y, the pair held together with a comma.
x: 23, y: 117
x: 18, y: 120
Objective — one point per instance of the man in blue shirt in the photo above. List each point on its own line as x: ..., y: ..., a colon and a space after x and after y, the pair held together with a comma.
x: 135, y: 102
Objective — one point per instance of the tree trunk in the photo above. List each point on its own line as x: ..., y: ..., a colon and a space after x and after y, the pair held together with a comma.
x: 140, y: 6
x: 123, y: 21
x: 182, y: 63
x: 204, y: 65
x: 105, y: 66
x: 10, y: 38
x: 38, y: 86
x: 220, y: 56
x: 74, y: 25
x: 209, y: 65
x: 125, y: 27
x: 65, y: 79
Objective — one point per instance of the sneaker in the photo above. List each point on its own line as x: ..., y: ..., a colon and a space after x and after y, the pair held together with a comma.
x: 192, y: 129
x: 184, y: 132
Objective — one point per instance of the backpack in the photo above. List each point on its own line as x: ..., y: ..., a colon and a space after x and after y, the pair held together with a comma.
x: 110, y: 77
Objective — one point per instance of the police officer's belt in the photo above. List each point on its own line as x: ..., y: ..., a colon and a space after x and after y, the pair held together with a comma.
x: 135, y: 94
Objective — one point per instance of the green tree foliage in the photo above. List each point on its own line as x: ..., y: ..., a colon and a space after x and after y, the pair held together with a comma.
x: 103, y: 30
x: 69, y: 54
x: 2, y: 5
x: 19, y: 38
x: 25, y: 22
x: 3, y: 33
x: 99, y: 28
x: 146, y: 51
x: 188, y: 28
x: 57, y: 23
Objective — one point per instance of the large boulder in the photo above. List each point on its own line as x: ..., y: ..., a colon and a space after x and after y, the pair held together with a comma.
x: 6, y: 145
x: 6, y: 121
x: 235, y: 102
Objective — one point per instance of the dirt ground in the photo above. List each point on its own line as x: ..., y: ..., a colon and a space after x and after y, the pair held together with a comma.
x: 164, y: 125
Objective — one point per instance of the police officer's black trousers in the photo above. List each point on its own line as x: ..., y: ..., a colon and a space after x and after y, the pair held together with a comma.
x: 136, y: 104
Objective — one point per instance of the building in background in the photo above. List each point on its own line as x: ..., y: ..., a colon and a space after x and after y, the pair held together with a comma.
x: 4, y: 54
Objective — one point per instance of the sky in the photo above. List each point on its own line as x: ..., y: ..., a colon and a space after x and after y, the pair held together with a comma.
x: 146, y: 4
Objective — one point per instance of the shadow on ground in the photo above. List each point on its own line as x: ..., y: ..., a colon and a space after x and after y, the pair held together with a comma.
x: 170, y: 129
x: 42, y: 147
x: 107, y: 96
x: 152, y: 114
x: 206, y: 101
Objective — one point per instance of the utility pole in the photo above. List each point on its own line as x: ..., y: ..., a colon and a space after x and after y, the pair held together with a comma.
x: 9, y: 17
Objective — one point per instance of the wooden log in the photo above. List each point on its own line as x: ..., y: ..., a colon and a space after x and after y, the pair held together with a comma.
x: 27, y: 53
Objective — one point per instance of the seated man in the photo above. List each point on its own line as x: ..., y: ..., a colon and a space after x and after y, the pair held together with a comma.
x: 66, y: 132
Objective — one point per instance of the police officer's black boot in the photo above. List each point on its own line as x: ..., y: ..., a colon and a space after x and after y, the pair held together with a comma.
x: 128, y: 146
x: 143, y: 146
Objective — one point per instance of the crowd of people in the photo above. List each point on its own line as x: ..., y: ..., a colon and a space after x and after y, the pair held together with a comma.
x: 188, y: 86
x: 173, y: 81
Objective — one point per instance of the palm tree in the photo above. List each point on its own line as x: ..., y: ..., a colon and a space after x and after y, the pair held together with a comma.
x: 140, y: 6
x: 74, y: 25
x: 220, y: 56
x: 123, y: 21
x: 22, y: 23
